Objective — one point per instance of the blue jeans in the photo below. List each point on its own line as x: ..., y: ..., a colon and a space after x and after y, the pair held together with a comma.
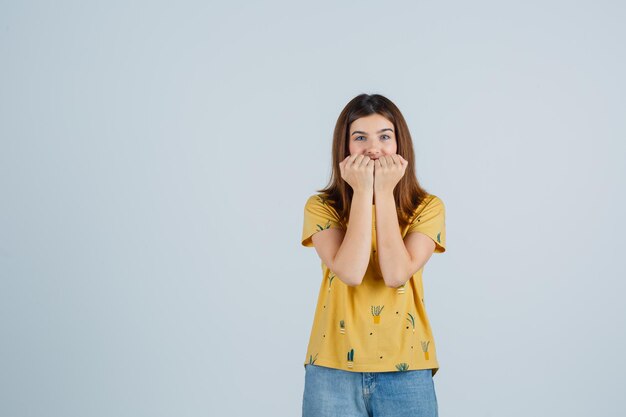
x: 335, y: 392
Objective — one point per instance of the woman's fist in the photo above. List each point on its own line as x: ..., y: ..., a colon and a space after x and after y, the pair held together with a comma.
x: 358, y: 172
x: 388, y: 171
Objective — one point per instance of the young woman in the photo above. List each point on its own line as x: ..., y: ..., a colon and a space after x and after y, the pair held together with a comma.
x: 371, y: 350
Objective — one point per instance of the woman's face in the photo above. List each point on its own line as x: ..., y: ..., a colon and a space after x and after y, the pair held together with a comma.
x: 373, y: 136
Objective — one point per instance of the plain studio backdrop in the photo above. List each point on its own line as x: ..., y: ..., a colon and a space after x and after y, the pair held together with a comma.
x: 155, y: 160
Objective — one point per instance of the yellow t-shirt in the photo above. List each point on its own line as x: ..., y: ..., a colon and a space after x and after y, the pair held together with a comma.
x: 372, y: 327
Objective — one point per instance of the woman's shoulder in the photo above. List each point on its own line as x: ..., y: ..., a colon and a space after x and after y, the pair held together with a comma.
x: 432, y: 198
x: 429, y: 200
x: 320, y: 198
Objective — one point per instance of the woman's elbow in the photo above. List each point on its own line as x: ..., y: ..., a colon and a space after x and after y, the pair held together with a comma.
x: 351, y: 280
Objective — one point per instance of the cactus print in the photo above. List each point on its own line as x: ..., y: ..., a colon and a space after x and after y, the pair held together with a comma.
x: 402, y: 367
x: 411, y: 320
x: 376, y: 310
x: 425, y: 344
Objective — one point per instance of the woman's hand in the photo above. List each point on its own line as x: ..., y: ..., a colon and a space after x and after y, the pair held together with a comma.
x: 358, y: 172
x: 388, y: 170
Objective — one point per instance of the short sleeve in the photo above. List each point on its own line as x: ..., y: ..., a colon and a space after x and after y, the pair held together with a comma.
x: 431, y: 220
x: 318, y: 215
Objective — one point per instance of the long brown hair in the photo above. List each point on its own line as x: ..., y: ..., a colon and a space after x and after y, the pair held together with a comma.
x: 408, y: 193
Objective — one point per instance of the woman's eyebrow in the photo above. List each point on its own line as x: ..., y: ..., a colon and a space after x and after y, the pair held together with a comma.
x: 365, y: 133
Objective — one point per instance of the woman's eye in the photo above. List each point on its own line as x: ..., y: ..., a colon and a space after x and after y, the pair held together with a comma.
x: 385, y: 137
x: 382, y: 136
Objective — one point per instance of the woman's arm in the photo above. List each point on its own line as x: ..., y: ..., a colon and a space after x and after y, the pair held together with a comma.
x: 393, y: 257
x: 351, y: 259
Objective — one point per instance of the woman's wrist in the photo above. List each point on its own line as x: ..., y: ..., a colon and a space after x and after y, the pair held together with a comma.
x: 366, y: 193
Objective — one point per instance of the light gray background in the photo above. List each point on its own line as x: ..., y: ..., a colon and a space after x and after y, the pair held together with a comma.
x: 155, y: 160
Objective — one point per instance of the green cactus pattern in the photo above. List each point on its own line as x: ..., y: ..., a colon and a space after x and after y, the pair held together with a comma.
x: 350, y: 358
x: 326, y: 226
x: 402, y: 366
x: 342, y: 327
x: 331, y: 277
x: 439, y: 237
x: 425, y: 348
x: 411, y: 320
x: 376, y: 313
x: 312, y: 360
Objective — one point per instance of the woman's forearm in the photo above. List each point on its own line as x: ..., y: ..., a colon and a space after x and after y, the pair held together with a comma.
x: 393, y: 258
x: 353, y: 256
